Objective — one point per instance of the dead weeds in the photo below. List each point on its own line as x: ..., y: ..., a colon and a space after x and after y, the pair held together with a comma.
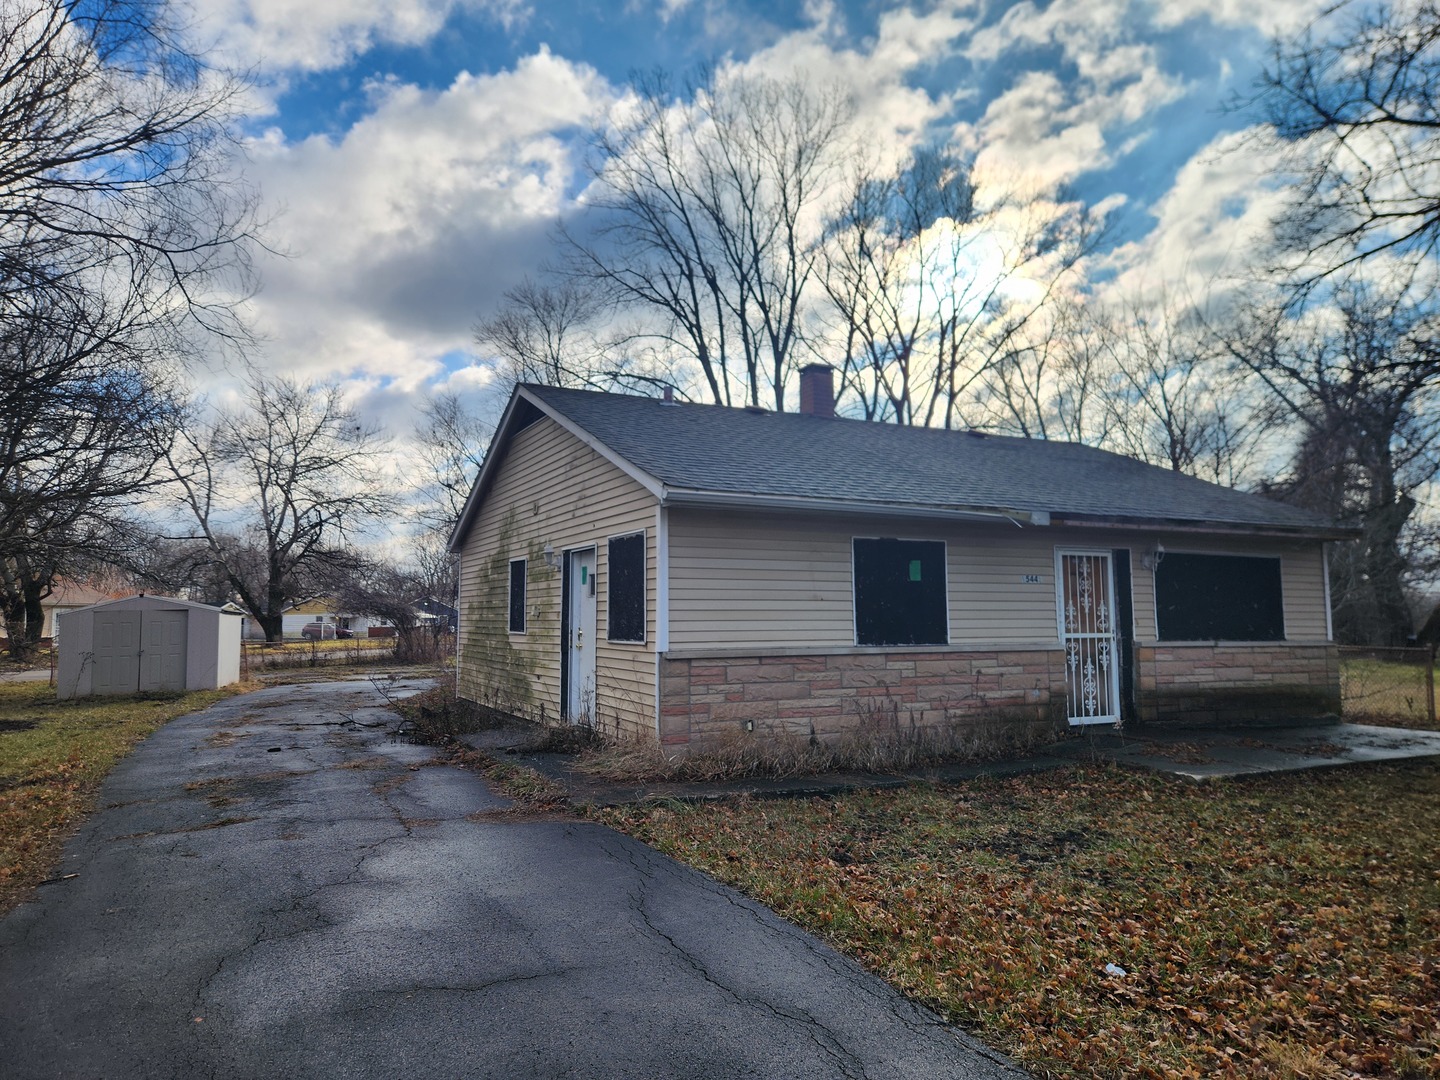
x: 1098, y: 922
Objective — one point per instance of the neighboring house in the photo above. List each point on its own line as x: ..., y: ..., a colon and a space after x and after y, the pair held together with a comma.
x: 323, y: 609
x: 70, y: 596
x: 430, y: 611
x: 691, y: 570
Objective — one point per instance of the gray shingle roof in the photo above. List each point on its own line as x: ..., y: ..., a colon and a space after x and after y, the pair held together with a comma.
x: 786, y: 455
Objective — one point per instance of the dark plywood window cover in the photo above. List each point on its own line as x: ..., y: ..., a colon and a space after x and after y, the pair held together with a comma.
x: 900, y: 592
x: 626, y: 619
x: 1218, y: 598
x: 517, y: 596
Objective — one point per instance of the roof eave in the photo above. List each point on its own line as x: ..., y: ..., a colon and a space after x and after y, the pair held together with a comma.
x: 1125, y: 521
x: 745, y: 500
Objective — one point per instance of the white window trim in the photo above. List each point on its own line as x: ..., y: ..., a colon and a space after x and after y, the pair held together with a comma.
x: 944, y: 589
x: 1155, y: 598
x: 509, y: 599
x: 644, y: 535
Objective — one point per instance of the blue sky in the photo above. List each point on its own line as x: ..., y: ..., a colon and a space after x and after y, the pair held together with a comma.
x: 413, y: 154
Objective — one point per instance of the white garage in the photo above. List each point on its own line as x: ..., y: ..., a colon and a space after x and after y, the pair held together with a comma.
x: 147, y: 643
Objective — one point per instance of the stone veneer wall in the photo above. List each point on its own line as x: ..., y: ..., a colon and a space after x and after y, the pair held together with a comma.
x: 701, y: 699
x: 827, y: 695
x: 1237, y: 684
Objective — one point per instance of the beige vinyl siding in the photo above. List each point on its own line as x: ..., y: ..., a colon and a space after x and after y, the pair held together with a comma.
x: 553, y: 489
x: 784, y: 581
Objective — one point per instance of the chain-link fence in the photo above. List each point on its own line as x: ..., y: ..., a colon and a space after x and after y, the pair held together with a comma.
x: 1395, y: 687
x: 258, y: 656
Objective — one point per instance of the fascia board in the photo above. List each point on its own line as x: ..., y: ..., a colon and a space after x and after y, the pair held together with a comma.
x: 740, y: 500
x: 1289, y: 532
x: 625, y: 465
x: 495, y: 454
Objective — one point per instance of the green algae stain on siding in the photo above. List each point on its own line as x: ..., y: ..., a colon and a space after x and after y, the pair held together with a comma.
x: 501, y: 674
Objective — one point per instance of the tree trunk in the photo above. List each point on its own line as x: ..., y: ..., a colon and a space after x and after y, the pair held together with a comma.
x: 273, y: 625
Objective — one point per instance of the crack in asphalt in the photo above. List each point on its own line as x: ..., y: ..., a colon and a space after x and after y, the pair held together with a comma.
x: 479, y: 987
x: 810, y: 1026
x: 916, y: 1018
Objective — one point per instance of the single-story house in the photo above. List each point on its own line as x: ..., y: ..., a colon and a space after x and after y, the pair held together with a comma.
x: 322, y: 609
x: 686, y: 571
x: 144, y: 643
x: 70, y: 596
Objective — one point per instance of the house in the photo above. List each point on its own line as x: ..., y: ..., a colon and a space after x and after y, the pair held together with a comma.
x: 431, y: 612
x: 146, y: 643
x: 69, y: 596
x: 684, y: 571
x: 324, y: 609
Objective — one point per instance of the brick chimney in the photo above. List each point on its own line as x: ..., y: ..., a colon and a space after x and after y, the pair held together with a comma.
x: 817, y: 390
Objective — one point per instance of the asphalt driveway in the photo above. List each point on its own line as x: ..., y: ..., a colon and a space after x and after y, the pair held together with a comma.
x: 273, y: 888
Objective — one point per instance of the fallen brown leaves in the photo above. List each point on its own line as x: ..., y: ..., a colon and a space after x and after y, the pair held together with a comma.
x: 1284, y: 926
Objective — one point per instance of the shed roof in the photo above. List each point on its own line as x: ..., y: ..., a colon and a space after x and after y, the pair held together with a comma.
x: 151, y: 600
x: 709, y: 454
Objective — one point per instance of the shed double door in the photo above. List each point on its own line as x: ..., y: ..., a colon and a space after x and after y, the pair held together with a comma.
x: 139, y: 650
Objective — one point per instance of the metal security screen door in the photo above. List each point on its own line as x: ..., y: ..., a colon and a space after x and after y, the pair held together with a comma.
x: 1087, y: 629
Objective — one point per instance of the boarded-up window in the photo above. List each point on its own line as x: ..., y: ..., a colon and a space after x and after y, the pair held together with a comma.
x: 1218, y: 598
x: 517, y: 596
x: 900, y: 592
x: 626, y: 589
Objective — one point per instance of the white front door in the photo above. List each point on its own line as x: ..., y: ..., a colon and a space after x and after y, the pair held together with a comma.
x: 1086, y: 607
x: 162, y: 659
x: 580, y: 648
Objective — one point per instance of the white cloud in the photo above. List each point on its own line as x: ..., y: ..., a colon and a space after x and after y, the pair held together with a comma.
x: 891, y: 113
x: 1058, y: 128
x: 1208, y: 226
x: 1269, y: 16
x: 403, y: 232
x: 282, y: 36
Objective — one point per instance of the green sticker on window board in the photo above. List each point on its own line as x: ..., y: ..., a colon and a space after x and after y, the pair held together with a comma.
x: 914, y: 569
x: 584, y: 570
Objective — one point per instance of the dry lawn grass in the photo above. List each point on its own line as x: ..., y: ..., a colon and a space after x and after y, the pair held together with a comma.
x: 1388, y: 694
x: 1283, y: 926
x: 53, y: 757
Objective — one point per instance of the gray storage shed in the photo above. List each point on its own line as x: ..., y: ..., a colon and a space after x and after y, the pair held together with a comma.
x: 147, y: 643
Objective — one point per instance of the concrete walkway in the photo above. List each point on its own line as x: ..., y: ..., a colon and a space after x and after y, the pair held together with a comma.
x: 1212, y: 753
x: 272, y: 888
x: 1192, y: 753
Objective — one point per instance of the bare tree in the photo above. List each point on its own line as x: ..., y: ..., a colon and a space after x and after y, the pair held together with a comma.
x: 83, y: 415
x: 1054, y: 380
x: 702, y: 215
x: 390, y: 592
x: 933, y: 283
x: 543, y: 334
x: 1355, y: 100
x: 122, y: 232
x: 1174, y: 400
x: 113, y: 171
x: 451, y: 442
x: 290, y: 476
x: 1359, y: 380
